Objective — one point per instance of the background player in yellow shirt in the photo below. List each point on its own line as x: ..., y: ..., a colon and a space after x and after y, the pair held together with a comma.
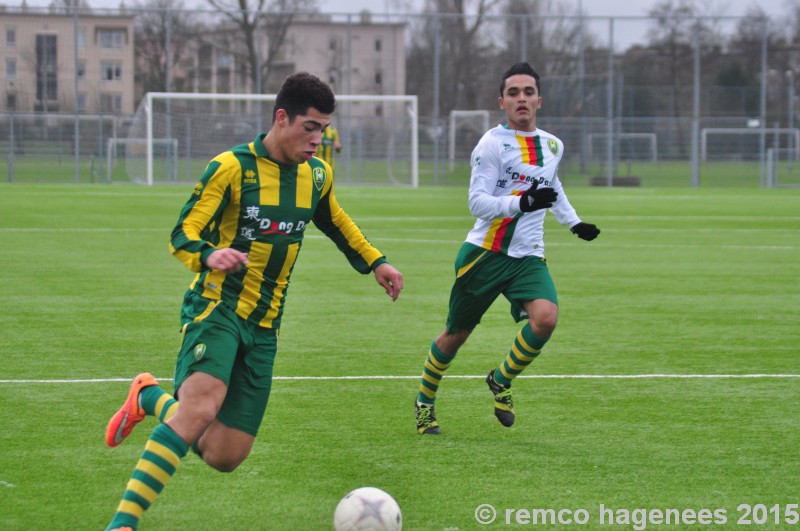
x: 330, y: 143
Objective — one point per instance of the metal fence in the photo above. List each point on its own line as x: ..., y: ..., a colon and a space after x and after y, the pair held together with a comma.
x: 647, y: 101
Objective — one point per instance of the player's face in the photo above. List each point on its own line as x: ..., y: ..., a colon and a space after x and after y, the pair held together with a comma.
x: 521, y: 100
x: 300, y: 137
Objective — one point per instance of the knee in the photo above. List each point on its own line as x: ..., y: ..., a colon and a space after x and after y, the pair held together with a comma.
x: 223, y: 462
x: 449, y: 343
x: 544, y: 324
x: 224, y: 466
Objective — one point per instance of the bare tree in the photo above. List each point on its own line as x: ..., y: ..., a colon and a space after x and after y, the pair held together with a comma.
x: 261, y: 17
x: 163, y: 31
x: 463, y: 52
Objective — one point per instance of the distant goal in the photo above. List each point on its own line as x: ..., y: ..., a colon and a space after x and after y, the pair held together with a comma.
x: 379, y: 134
x: 742, y: 143
x: 465, y: 130
x: 783, y: 167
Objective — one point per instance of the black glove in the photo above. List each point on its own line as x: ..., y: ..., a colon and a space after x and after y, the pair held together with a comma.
x: 585, y: 231
x: 536, y: 198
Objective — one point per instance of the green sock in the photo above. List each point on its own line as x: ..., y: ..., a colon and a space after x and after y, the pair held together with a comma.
x: 527, y: 346
x: 162, y: 454
x: 157, y: 402
x: 435, y: 366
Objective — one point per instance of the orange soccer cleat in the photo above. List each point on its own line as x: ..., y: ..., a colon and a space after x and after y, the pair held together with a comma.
x: 130, y: 414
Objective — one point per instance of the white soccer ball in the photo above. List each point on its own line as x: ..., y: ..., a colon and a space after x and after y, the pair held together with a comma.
x: 367, y: 509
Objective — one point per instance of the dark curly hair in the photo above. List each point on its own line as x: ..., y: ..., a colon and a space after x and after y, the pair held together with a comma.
x: 301, y: 91
x: 520, y: 68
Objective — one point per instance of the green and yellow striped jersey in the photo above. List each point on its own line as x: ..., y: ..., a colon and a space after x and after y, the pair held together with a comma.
x: 247, y: 201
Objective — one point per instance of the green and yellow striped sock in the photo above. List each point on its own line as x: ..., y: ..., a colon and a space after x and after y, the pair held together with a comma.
x: 527, y: 346
x: 435, y: 366
x: 162, y: 454
x: 157, y: 402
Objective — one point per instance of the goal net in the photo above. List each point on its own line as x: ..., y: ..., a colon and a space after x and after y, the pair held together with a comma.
x: 133, y: 154
x: 378, y: 134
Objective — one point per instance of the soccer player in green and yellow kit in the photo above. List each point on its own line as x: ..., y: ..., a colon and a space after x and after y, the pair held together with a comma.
x: 330, y: 143
x: 241, y: 232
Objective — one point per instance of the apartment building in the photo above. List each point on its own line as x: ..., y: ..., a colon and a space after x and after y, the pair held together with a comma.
x: 354, y: 54
x: 55, y: 61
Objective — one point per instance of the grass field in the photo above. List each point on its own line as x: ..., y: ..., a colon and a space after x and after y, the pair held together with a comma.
x: 659, y: 174
x: 671, y: 382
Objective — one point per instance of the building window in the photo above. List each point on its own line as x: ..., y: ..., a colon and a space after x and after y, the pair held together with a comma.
x: 11, y: 102
x: 110, y: 102
x: 377, y: 45
x: 81, y: 38
x: 11, y: 38
x: 81, y: 102
x: 378, y: 78
x: 111, y: 38
x: 46, y: 68
x: 11, y: 69
x: 332, y: 43
x: 81, y: 73
x: 110, y: 71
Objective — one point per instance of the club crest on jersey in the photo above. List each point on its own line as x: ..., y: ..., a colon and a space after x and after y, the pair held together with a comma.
x: 199, y: 351
x: 319, y: 178
x: 553, y: 145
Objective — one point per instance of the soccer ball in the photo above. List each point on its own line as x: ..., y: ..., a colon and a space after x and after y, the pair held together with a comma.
x: 367, y: 509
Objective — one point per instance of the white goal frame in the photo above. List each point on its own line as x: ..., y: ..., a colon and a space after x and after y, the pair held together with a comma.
x: 454, y: 115
x: 410, y: 101
x: 792, y: 132
x: 652, y: 137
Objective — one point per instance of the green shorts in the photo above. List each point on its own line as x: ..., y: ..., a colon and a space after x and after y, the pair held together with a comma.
x: 218, y: 342
x: 482, y: 275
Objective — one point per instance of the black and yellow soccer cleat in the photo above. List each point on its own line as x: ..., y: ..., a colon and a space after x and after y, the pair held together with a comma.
x: 503, y: 403
x: 426, y: 420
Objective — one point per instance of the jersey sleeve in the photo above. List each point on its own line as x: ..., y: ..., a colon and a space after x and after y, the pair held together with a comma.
x: 562, y: 209
x: 334, y: 222
x: 196, y: 234
x: 486, y: 171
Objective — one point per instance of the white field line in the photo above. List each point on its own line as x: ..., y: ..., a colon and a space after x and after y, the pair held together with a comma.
x: 463, y: 377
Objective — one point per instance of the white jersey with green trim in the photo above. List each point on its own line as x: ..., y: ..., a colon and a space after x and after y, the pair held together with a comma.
x: 505, y: 163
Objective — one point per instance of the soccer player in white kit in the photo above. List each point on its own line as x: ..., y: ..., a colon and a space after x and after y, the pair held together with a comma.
x: 514, y: 182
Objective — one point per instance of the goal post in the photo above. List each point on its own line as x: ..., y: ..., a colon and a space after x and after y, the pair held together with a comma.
x: 379, y: 132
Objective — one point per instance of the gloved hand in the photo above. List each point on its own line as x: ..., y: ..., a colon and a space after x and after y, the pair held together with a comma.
x: 536, y: 198
x: 585, y: 231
